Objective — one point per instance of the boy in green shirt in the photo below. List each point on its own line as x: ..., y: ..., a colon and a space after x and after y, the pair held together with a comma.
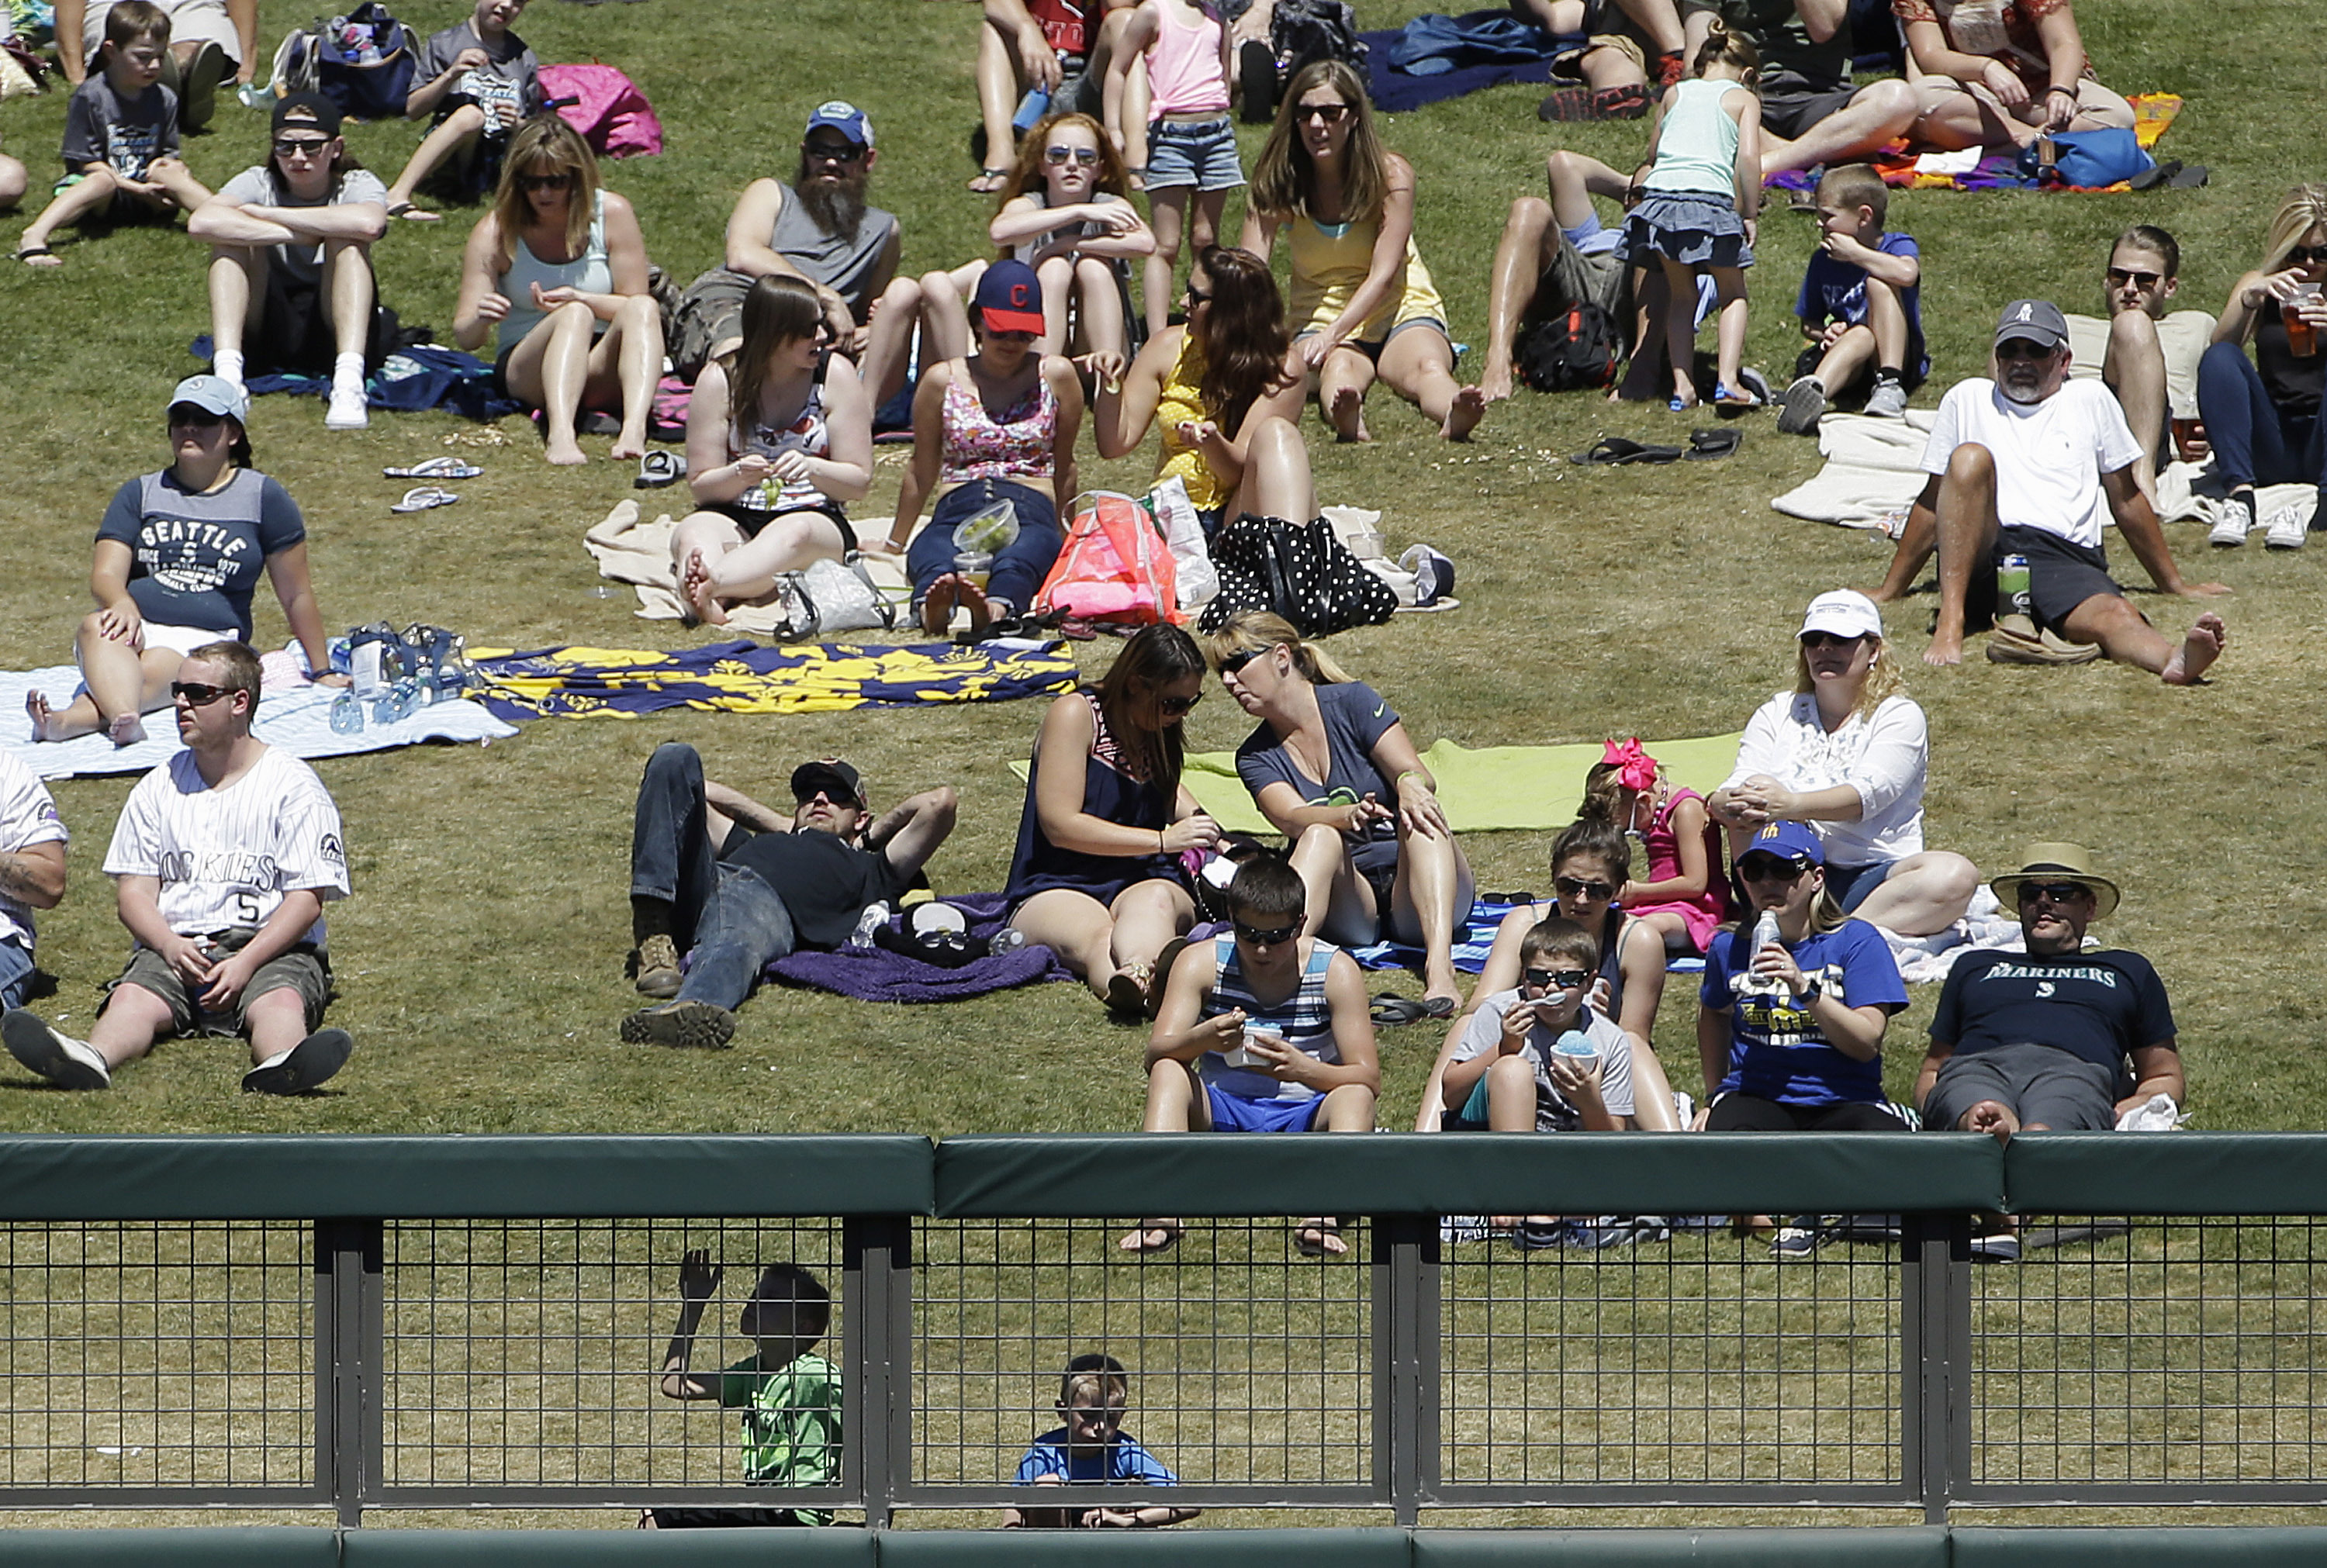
x: 789, y: 1394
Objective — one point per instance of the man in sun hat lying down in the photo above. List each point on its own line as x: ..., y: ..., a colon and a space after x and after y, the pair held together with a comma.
x: 2029, y: 465
x: 2056, y: 1039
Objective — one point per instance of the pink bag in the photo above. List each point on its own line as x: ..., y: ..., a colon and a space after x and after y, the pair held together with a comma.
x: 1115, y: 565
x: 609, y: 110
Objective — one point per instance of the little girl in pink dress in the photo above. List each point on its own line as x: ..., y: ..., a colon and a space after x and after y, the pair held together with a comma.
x: 1684, y: 899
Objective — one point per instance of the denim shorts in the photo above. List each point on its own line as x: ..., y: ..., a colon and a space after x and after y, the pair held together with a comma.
x: 15, y: 974
x: 1202, y: 153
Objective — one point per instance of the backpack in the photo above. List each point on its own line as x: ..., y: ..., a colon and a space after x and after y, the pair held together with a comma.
x: 1301, y: 31
x: 364, y: 62
x: 1571, y: 352
x: 1115, y: 567
x: 605, y: 107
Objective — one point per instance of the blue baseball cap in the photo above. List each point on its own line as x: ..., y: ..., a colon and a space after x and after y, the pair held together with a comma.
x: 1009, y: 298
x: 1794, y: 840
x: 846, y: 118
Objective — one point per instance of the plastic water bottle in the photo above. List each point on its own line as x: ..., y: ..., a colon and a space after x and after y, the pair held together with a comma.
x: 2011, y: 585
x: 1008, y: 939
x: 347, y: 713
x: 397, y: 701
x: 875, y: 916
x: 1765, y: 931
x: 1031, y: 111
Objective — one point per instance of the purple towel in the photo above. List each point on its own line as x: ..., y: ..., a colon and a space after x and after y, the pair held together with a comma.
x: 877, y: 975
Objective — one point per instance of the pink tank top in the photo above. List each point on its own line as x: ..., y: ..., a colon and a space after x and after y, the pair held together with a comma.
x: 1184, y: 67
x: 1015, y: 446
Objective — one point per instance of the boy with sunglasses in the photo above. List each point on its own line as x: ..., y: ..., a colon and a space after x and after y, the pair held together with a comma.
x: 1261, y: 1030
x: 479, y: 80
x: 1506, y: 1075
x: 224, y: 859
x: 291, y: 278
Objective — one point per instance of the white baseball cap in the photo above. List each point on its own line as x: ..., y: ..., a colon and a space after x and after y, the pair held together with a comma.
x: 1845, y: 613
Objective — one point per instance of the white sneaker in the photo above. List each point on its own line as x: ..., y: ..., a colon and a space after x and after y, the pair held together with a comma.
x: 2230, y: 520
x: 2287, y: 528
x: 303, y: 1067
x: 1803, y: 403
x: 349, y: 410
x: 1888, y: 400
x: 64, y: 1061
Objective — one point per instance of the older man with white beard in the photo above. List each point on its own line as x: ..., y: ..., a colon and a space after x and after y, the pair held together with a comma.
x: 2028, y: 464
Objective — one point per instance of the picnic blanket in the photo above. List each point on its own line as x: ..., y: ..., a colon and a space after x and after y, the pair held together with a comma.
x: 743, y: 677
x: 292, y: 715
x: 871, y: 973
x: 1462, y: 69
x: 629, y: 549
x: 1981, y: 169
x: 415, y: 379
x: 1873, y: 472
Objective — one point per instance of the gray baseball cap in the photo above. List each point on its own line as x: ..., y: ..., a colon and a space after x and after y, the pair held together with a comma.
x: 2038, y: 321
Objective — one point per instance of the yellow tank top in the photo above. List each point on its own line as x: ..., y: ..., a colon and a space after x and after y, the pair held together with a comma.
x: 1327, y: 269
x: 1179, y: 400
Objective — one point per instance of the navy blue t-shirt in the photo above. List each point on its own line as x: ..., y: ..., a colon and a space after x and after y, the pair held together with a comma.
x: 2100, y: 1006
x: 1777, y: 1051
x: 1355, y: 717
x: 195, y: 559
x: 1836, y: 291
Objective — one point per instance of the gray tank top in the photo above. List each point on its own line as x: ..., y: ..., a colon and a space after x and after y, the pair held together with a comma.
x: 843, y: 263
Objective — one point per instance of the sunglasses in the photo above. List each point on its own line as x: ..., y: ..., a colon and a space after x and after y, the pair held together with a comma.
x: 1557, y: 979
x: 195, y: 694
x: 193, y: 419
x: 1264, y: 936
x: 544, y: 182
x: 301, y: 147
x: 2021, y: 349
x: 1177, y: 707
x: 1331, y: 114
x: 2053, y: 893
x: 1234, y: 663
x: 1568, y: 887
x: 840, y: 152
x: 2118, y: 277
x: 1829, y: 639
x: 1197, y: 296
x: 1769, y: 868
x: 1081, y: 157
x: 2304, y: 254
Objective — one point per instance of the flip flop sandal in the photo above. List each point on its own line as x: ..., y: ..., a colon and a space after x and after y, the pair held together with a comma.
x: 2188, y: 177
x: 2156, y: 174
x: 1704, y: 445
x: 658, y: 469
x: 1433, y: 572
x: 1615, y: 450
x: 1309, y: 1238
x: 1734, y: 399
x: 446, y: 467
x: 420, y: 498
x: 1392, y: 1010
x: 989, y: 182
x: 29, y: 252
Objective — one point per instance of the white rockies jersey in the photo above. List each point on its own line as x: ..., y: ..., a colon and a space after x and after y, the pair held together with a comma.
x: 226, y: 857
x: 27, y: 816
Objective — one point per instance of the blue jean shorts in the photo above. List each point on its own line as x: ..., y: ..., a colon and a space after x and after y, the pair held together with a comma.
x: 1202, y: 153
x: 15, y: 974
x: 1236, y: 1114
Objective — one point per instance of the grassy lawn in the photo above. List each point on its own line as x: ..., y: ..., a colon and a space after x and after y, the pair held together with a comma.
x: 480, y: 957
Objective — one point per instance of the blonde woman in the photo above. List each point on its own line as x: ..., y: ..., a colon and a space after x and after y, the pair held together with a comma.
x: 2262, y: 415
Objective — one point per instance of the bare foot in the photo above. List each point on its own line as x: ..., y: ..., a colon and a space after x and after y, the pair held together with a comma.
x: 972, y: 598
x: 1470, y: 408
x: 937, y: 609
x: 1495, y: 386
x: 1993, y: 1119
x: 695, y: 587
x: 399, y: 205
x: 2203, y: 645
x: 1319, y: 1239
x: 629, y: 448
x: 45, y: 727
x: 1346, y: 413
x: 564, y: 452
x: 125, y: 728
x: 1947, y: 647
x: 1152, y: 1235
x: 41, y: 257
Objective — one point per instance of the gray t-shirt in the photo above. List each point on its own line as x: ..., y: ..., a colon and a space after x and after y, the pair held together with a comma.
x: 1552, y: 1114
x: 127, y: 134
x: 843, y: 263
x: 506, y: 90
x: 260, y: 186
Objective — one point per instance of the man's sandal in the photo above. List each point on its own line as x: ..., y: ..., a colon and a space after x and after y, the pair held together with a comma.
x: 32, y: 254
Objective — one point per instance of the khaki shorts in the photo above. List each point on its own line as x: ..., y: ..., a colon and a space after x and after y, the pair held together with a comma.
x: 303, y: 968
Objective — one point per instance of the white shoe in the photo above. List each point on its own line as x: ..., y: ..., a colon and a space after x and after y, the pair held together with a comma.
x: 1888, y: 400
x: 349, y: 410
x: 2230, y: 520
x: 303, y: 1067
x: 2287, y: 528
x: 64, y: 1061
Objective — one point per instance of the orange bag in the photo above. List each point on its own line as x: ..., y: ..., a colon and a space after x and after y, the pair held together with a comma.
x: 1115, y: 565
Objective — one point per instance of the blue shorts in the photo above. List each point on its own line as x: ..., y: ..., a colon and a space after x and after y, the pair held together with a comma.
x: 15, y: 974
x: 1200, y: 153
x: 1851, y: 885
x: 1236, y: 1114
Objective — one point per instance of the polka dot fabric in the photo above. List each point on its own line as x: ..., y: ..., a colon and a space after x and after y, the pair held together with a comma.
x: 1300, y: 571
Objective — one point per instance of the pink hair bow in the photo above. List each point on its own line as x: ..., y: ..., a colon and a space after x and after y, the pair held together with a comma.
x: 1635, y: 768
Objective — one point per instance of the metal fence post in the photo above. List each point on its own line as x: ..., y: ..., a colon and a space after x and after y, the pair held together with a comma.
x: 1935, y: 1353
x: 1405, y: 1360
x: 350, y: 1364
x: 877, y: 1351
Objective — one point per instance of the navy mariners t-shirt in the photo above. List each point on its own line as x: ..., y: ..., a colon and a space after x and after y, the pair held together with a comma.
x: 1355, y: 717
x: 1777, y: 1051
x: 2100, y: 1006
x: 1836, y: 291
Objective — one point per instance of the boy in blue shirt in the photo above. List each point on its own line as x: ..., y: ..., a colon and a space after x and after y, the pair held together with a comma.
x: 790, y: 1396
x: 121, y: 137
x: 1861, y: 306
x: 1093, y: 1447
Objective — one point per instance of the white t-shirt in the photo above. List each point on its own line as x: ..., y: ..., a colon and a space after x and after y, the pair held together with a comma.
x: 1884, y: 757
x: 2050, y: 456
x: 27, y: 816
x: 226, y: 857
x: 1552, y: 1114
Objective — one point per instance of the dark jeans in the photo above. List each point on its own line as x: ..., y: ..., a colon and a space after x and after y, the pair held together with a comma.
x: 728, y: 918
x: 2255, y: 441
x: 1018, y: 569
